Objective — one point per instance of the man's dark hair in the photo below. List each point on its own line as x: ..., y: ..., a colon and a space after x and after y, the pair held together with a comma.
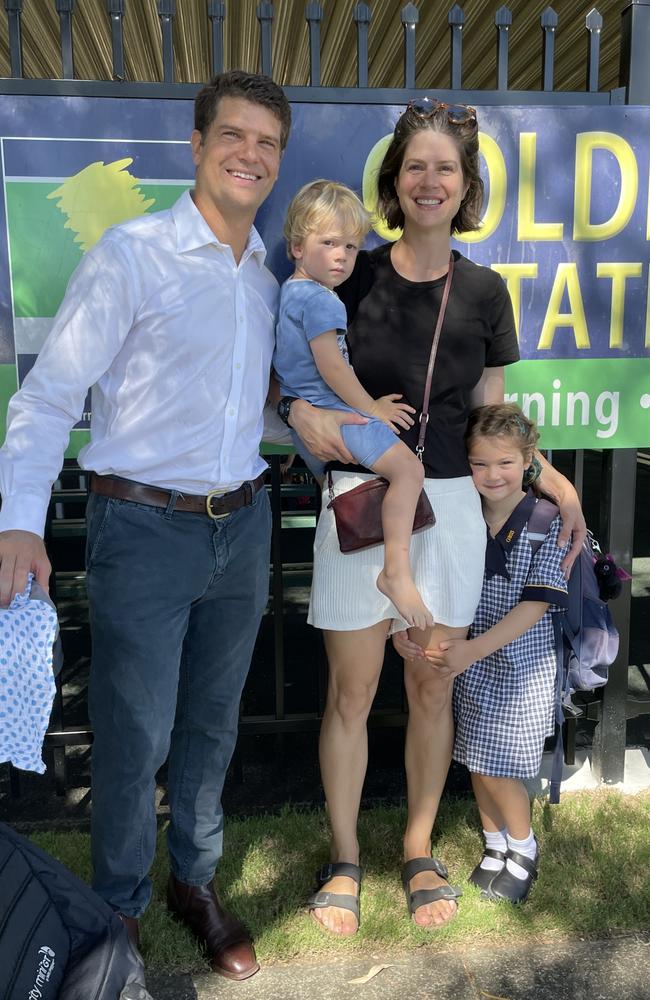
x: 252, y: 87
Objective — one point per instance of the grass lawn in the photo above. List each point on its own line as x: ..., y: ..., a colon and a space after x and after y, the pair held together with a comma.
x: 594, y: 879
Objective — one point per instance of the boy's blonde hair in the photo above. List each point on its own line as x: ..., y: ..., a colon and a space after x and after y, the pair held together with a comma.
x: 502, y: 420
x: 318, y: 205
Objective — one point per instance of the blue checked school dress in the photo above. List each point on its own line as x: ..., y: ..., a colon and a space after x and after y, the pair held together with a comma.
x: 504, y: 704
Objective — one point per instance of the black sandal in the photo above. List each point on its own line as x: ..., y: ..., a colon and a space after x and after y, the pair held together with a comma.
x: 319, y: 899
x: 506, y: 886
x: 423, y: 896
x: 481, y: 877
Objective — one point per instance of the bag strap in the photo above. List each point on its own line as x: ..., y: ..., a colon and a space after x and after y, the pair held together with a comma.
x: 539, y: 522
x: 424, y: 414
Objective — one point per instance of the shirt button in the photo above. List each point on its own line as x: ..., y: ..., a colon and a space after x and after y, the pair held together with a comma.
x: 231, y: 412
x: 238, y: 365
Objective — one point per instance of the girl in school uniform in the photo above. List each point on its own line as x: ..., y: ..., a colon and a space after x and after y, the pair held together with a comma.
x: 504, y: 671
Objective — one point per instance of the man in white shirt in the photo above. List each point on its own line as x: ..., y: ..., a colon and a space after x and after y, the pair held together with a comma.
x: 170, y: 318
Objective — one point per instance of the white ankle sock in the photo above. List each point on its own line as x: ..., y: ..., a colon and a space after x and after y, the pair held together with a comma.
x: 495, y: 841
x: 527, y: 847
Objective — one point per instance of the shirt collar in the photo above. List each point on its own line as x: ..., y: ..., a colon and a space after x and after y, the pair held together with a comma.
x: 499, y: 547
x: 193, y: 232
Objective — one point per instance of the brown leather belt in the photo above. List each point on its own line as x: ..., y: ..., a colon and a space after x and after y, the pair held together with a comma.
x: 215, y: 504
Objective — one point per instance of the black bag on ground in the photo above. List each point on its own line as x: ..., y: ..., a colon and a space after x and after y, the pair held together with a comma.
x: 58, y: 939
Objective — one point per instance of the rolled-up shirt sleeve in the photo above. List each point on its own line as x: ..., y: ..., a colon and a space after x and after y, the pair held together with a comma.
x: 88, y: 331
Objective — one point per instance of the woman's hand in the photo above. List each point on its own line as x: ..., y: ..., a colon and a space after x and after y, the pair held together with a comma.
x: 319, y: 429
x: 574, y: 526
x: 396, y: 415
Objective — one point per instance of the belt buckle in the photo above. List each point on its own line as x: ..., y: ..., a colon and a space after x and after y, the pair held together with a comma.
x: 208, y: 502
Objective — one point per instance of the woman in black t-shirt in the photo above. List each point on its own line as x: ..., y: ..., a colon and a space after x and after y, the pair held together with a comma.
x: 429, y: 186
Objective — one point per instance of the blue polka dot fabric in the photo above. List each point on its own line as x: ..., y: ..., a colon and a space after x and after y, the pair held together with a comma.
x: 28, y: 628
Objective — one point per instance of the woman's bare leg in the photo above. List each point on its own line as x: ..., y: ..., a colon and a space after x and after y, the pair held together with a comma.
x: 405, y: 475
x: 429, y: 742
x: 355, y: 662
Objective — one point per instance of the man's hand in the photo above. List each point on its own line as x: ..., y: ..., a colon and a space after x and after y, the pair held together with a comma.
x: 319, y: 429
x: 21, y: 552
x: 396, y: 415
x: 453, y: 656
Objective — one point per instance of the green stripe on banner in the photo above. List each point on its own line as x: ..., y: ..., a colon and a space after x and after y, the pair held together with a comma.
x: 585, y: 403
x: 8, y: 385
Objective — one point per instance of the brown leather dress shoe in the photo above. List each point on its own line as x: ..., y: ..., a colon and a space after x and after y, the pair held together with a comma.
x: 226, y: 941
x: 132, y: 925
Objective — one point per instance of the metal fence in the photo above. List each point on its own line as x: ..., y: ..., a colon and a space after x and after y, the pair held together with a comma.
x: 619, y: 466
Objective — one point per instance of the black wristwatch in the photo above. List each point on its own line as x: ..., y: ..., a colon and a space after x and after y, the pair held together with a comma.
x: 284, y: 408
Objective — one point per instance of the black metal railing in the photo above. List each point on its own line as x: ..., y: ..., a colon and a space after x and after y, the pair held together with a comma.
x: 618, y: 485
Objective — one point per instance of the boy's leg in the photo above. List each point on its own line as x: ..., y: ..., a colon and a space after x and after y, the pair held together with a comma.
x: 405, y: 475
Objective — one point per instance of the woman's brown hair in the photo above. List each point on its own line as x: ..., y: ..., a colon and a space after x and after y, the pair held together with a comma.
x: 465, y: 137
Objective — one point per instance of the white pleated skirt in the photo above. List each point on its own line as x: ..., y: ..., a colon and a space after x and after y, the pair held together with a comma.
x: 447, y: 561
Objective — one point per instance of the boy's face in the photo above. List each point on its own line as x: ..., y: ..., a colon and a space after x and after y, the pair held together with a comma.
x: 327, y: 258
x: 497, y: 465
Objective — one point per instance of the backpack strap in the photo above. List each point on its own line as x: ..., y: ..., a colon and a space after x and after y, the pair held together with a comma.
x: 543, y: 514
x: 539, y: 523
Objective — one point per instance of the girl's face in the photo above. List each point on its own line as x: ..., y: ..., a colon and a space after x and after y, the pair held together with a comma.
x: 497, y: 465
x: 430, y: 184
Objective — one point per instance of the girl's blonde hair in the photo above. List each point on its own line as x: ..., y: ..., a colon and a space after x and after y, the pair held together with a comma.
x: 321, y: 205
x: 502, y: 420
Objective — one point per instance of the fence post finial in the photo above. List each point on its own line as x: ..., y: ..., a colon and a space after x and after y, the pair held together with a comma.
x: 217, y: 15
x: 409, y: 17
x: 167, y: 13
x: 593, y: 24
x: 265, y: 16
x: 548, y: 21
x: 362, y: 16
x: 503, y: 21
x: 314, y: 16
x: 65, y: 9
x: 14, y: 9
x: 456, y: 19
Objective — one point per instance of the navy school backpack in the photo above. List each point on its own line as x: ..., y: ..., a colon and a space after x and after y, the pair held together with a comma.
x: 586, y: 639
x: 58, y: 939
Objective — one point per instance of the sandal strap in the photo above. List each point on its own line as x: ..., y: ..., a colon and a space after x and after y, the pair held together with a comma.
x: 417, y: 865
x: 341, y: 899
x: 423, y: 896
x: 527, y: 863
x: 338, y: 868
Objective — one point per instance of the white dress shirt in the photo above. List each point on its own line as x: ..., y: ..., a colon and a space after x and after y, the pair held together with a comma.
x: 176, y: 340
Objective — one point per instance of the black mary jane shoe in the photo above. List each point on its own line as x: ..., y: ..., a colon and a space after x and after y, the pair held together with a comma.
x: 506, y: 886
x: 481, y: 877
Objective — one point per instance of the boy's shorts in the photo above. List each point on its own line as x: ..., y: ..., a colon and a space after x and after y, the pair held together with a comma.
x: 366, y: 442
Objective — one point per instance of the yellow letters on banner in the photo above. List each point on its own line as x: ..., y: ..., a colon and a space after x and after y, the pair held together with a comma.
x: 619, y: 273
x: 566, y: 277
x: 496, y: 167
x: 586, y: 143
x: 527, y: 228
x: 513, y: 275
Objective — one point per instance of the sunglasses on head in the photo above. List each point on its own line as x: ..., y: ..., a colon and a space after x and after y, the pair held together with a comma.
x: 457, y: 114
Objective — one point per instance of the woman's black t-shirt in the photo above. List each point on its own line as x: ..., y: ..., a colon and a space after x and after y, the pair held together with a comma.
x: 390, y: 330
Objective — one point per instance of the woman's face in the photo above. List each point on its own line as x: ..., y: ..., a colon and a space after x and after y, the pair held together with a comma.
x: 430, y: 185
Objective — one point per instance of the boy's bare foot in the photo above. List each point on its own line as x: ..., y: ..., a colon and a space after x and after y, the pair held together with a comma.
x: 405, y: 596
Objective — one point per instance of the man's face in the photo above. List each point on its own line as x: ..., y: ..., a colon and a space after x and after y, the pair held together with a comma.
x: 238, y: 160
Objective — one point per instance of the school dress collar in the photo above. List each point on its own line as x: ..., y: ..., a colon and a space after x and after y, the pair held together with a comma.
x: 499, y: 547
